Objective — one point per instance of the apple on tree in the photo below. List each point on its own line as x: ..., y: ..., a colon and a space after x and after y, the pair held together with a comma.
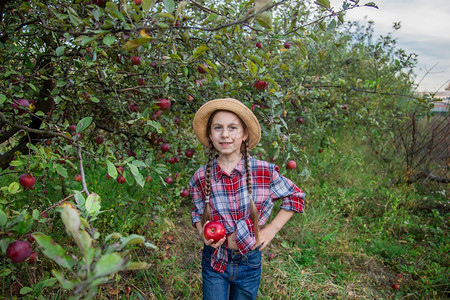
x: 189, y: 153
x: 135, y: 60
x: 260, y: 85
x: 17, y: 104
x: 163, y: 104
x: 214, y: 230
x: 184, y: 193
x: 27, y: 181
x: 291, y: 164
x: 168, y: 180
x: 121, y: 179
x: 18, y: 251
x: 165, y: 147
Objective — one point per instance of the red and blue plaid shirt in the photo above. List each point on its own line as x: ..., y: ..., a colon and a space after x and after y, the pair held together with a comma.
x: 230, y: 202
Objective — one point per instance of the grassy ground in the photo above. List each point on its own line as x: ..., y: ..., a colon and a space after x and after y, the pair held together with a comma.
x: 359, y: 235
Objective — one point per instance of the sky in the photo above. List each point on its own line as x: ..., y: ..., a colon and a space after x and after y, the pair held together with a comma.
x: 425, y: 30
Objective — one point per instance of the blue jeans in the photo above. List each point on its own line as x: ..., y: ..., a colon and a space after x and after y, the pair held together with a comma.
x: 240, y: 280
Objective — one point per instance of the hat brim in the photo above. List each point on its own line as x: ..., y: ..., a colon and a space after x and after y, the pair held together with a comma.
x: 228, y: 104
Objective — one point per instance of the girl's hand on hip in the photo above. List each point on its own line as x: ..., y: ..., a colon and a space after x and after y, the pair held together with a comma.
x: 266, y: 235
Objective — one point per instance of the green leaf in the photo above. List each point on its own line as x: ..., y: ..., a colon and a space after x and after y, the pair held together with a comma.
x: 54, y: 251
x: 169, y: 5
x: 35, y: 214
x: 138, y: 266
x: 5, y: 272
x: 130, y: 45
x: 60, y: 50
x: 371, y: 4
x: 112, y: 171
x: 3, y: 218
x: 109, y: 40
x: 66, y: 284
x: 2, y: 98
x: 109, y: 264
x: 137, y: 176
x: 146, y: 5
x: 13, y: 188
x: 199, y: 51
x: 83, y: 124
x: 252, y: 67
x: 131, y: 240
x: 60, y: 170
x: 70, y: 218
x: 324, y: 3
x: 25, y: 290
x: 265, y: 19
x: 93, y: 204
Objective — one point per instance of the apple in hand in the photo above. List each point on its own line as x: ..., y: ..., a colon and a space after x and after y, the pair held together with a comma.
x: 214, y: 231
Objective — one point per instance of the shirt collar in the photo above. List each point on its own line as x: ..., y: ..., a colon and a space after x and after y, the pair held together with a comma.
x: 218, y: 172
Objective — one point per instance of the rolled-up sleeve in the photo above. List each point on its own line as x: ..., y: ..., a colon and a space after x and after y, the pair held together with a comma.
x: 195, y: 189
x: 292, y: 197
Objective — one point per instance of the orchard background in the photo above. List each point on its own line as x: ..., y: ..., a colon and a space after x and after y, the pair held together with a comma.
x: 97, y: 99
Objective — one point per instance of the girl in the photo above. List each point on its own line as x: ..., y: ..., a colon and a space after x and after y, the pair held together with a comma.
x: 238, y: 191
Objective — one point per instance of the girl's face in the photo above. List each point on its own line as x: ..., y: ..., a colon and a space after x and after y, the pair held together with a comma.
x: 227, y: 133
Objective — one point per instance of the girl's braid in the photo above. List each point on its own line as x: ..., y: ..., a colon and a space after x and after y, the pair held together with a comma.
x: 206, y: 216
x: 253, y: 209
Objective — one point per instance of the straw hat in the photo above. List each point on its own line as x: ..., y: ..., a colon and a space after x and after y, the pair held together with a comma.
x: 202, y: 116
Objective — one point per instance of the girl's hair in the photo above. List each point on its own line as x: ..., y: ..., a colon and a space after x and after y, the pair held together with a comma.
x: 206, y: 216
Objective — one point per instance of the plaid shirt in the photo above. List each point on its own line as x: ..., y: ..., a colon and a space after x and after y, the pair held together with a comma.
x: 230, y: 202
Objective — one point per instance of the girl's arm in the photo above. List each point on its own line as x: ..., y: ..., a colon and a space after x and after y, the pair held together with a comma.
x: 268, y: 232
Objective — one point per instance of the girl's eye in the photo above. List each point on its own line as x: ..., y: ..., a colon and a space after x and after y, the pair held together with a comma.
x: 233, y: 128
x: 217, y: 128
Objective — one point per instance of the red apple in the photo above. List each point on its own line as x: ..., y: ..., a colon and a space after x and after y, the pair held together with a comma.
x: 119, y: 169
x: 214, y: 231
x: 171, y: 160
x: 184, y: 193
x: 73, y: 127
x: 189, y: 153
x: 287, y: 45
x: 141, y: 81
x: 260, y: 85
x: 396, y: 286
x: 165, y: 147
x: 27, y: 181
x: 291, y: 164
x: 18, y: 251
x: 164, y: 104
x: 98, y: 2
x: 135, y: 60
x: 33, y: 257
x: 270, y: 256
x: 138, y: 2
x: 320, y: 150
x: 148, y: 178
x: 30, y: 238
x: 344, y: 106
x: 190, y: 98
x: 17, y: 104
x: 300, y: 120
x: 77, y: 177
x: 258, y: 45
x: 99, y: 140
x: 168, y: 180
x: 202, y: 69
x: 120, y: 179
